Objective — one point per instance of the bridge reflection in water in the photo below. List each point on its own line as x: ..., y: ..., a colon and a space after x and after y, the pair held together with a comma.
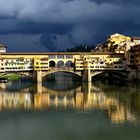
x: 85, y: 98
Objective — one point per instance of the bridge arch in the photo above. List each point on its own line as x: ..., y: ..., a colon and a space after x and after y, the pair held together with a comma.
x: 65, y: 71
x: 118, y: 74
x: 93, y: 74
x: 25, y: 74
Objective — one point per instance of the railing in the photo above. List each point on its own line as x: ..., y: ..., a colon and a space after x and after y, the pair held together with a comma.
x: 61, y: 69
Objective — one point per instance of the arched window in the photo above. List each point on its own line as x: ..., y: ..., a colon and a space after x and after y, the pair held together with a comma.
x: 60, y: 64
x: 51, y: 64
x: 69, y: 64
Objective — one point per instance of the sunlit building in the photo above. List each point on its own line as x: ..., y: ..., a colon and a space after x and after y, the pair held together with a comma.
x: 3, y: 48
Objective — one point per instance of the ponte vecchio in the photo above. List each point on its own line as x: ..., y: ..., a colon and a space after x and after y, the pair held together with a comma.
x: 84, y: 64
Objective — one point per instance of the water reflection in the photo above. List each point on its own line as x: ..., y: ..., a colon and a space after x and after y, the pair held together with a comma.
x: 120, y: 104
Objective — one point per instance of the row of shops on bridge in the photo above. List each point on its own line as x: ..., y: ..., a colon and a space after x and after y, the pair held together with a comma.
x: 93, y: 61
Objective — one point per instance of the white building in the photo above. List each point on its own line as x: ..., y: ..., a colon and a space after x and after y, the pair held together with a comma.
x: 3, y: 48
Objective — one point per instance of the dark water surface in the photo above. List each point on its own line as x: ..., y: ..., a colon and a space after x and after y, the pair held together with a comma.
x: 66, y: 110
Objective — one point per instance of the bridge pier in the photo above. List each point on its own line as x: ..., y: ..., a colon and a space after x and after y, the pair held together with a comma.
x: 37, y: 76
x: 86, y: 76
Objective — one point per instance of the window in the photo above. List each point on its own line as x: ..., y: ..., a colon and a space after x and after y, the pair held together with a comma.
x: 69, y: 57
x: 101, y: 62
x: 44, y: 59
x: 132, y: 56
x: 60, y: 56
x: 132, y: 61
x: 52, y: 56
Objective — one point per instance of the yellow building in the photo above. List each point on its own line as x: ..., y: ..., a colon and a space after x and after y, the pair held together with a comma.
x: 135, y: 56
x: 117, y: 43
x: 41, y: 63
x: 100, y: 61
x: 136, y: 40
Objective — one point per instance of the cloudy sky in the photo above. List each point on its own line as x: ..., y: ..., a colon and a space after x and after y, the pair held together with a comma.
x: 51, y: 25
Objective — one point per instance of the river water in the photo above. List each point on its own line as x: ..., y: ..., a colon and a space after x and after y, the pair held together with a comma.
x: 67, y: 110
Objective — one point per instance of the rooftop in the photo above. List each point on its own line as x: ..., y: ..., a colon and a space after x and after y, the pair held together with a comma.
x: 2, y: 45
x: 135, y: 38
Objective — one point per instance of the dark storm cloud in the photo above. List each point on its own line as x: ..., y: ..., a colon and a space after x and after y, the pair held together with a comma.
x: 118, y: 2
x: 66, y: 23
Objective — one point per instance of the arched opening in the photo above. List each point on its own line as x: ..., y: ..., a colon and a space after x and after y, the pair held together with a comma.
x: 51, y: 64
x: 60, y: 64
x: 109, y: 76
x: 25, y: 77
x: 69, y: 64
x: 62, y: 76
x: 61, y: 80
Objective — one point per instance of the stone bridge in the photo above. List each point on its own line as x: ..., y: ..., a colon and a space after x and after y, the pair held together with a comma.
x: 38, y: 65
x: 85, y: 75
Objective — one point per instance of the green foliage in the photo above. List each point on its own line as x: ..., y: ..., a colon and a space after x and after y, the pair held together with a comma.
x: 10, y: 77
x: 81, y: 48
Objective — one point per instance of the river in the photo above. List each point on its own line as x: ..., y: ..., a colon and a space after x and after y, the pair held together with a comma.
x: 67, y: 110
